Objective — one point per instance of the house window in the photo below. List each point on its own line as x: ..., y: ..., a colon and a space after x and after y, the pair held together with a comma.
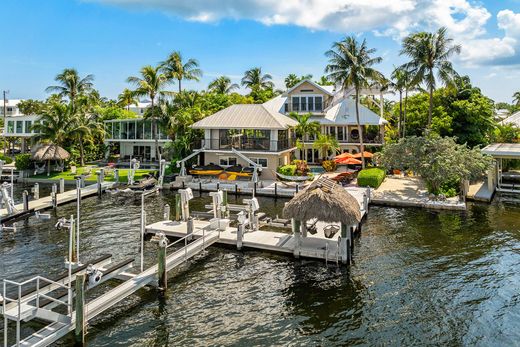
x: 286, y: 107
x: 303, y: 101
x: 307, y: 90
x: 310, y: 101
x: 28, y: 125
x: 131, y: 130
x: 354, y: 134
x: 228, y: 161
x: 116, y: 128
x: 332, y: 131
x: 309, y: 155
x: 19, y: 127
x: 9, y: 109
x: 318, y: 103
x: 10, y: 126
x: 139, y: 135
x: 108, y: 130
x: 295, y: 103
x: 260, y: 161
x: 340, y: 134
x: 142, y: 110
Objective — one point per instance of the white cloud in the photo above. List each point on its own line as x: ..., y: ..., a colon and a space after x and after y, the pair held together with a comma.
x: 465, y: 19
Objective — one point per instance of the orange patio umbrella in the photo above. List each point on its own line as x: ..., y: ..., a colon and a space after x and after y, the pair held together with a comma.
x: 349, y: 161
x: 365, y: 155
x: 342, y: 156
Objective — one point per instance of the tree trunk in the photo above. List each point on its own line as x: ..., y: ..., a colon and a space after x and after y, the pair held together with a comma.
x: 360, y: 130
x: 81, y: 151
x: 430, y: 110
x: 154, y: 132
x: 404, y: 111
x: 180, y: 88
x: 399, y: 128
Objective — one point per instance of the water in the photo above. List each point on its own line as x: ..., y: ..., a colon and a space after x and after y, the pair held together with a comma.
x: 419, y: 278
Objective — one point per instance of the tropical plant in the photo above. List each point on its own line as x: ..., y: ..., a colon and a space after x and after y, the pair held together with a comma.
x: 324, y: 81
x: 430, y: 54
x: 326, y: 144
x: 305, y: 127
x: 151, y: 83
x: 291, y: 80
x: 516, y: 98
x: 402, y: 83
x: 127, y: 98
x: 71, y: 85
x: 440, y: 161
x: 175, y: 68
x: 350, y: 65
x: 30, y: 106
x: 54, y: 125
x: 222, y: 85
x: 254, y: 79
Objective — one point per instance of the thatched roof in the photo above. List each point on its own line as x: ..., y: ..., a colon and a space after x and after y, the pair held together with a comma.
x: 49, y: 152
x: 325, y: 200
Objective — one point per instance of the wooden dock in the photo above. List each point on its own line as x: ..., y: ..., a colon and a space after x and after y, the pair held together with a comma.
x: 46, y: 202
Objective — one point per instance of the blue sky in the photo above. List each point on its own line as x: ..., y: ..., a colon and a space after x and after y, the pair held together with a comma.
x: 112, y: 39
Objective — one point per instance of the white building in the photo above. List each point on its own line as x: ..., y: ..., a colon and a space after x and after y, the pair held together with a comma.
x: 17, y: 124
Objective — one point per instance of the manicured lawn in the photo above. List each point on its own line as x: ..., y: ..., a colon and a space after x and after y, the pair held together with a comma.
x: 68, y: 176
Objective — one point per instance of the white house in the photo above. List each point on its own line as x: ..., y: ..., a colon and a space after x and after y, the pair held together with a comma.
x: 17, y: 124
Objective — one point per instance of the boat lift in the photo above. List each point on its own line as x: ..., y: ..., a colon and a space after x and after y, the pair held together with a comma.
x: 182, y: 163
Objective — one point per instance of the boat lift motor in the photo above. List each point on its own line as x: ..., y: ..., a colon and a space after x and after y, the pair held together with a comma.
x: 252, y: 207
x: 94, y: 275
x: 218, y: 198
x: 186, y: 196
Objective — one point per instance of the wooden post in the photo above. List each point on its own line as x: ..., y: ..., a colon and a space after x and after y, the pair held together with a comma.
x: 351, y: 238
x: 183, y: 185
x: 177, y: 207
x: 25, y: 198
x: 254, y: 189
x: 236, y: 189
x: 99, y: 183
x: 36, y: 191
x: 297, y: 188
x: 200, y: 186
x: 189, y: 228
x: 304, y: 228
x: 240, y: 236
x: 225, y: 204
x: 161, y: 262
x: 166, y: 215
x: 359, y: 228
x: 275, y: 189
x: 80, y: 309
x: 62, y: 185
x: 344, y: 245
x: 296, y: 232
x: 218, y: 186
x: 54, y: 200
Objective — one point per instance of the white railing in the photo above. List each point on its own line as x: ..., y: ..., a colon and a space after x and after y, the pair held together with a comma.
x: 185, y: 239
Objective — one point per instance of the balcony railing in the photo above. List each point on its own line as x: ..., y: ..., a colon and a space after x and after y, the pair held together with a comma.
x: 351, y: 139
x: 249, y: 144
x: 304, y: 107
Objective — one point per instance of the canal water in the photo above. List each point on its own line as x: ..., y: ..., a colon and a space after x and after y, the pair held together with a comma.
x: 419, y: 278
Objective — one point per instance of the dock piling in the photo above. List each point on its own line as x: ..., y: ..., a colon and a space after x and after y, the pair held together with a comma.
x: 161, y: 263
x: 275, y: 190
x: 166, y: 214
x: 79, y: 332
x: 25, y: 197
x: 36, y: 191
x: 99, y: 181
x: 240, y: 235
x: 236, y: 189
x: 62, y: 185
x: 189, y: 229
x: 177, y: 207
x: 344, y: 244
x: 116, y: 175
x: 54, y: 200
x: 296, y: 224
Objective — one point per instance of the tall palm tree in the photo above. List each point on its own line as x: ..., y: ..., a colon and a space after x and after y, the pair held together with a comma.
x: 516, y: 98
x: 401, y: 82
x: 85, y: 126
x: 305, y: 127
x: 350, y: 65
x: 174, y: 68
x: 127, y: 98
x: 54, y: 124
x: 71, y: 85
x: 150, y: 84
x: 430, y: 54
x: 291, y: 80
x: 222, y: 85
x: 254, y: 79
x: 326, y: 144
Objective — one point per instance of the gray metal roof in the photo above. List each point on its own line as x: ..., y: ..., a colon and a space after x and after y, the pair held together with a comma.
x: 503, y: 150
x: 247, y: 116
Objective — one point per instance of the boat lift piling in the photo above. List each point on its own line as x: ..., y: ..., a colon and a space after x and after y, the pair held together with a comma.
x: 36, y: 191
x: 25, y: 199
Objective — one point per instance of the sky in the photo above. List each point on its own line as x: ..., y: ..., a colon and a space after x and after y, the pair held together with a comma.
x: 113, y: 39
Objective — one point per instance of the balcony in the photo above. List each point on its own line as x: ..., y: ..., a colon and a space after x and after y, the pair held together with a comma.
x: 249, y: 144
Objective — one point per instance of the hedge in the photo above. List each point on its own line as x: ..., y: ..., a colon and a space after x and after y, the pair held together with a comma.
x: 287, y: 170
x: 23, y: 162
x: 6, y: 159
x: 372, y: 177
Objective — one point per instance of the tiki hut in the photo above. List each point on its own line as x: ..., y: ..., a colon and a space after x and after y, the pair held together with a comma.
x: 46, y: 153
x: 326, y: 201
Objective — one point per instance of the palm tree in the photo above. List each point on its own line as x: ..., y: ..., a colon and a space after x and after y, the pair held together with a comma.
x: 324, y: 81
x: 174, y: 68
x: 222, y: 85
x: 516, y: 98
x: 305, y: 127
x: 401, y: 82
x: 430, y: 54
x: 326, y: 143
x: 85, y: 126
x: 350, y: 65
x: 71, y: 85
x: 127, y: 98
x: 255, y: 80
x: 291, y: 80
x: 54, y: 124
x: 150, y: 84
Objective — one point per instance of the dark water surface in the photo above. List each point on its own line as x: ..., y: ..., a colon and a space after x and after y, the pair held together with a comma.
x: 419, y: 278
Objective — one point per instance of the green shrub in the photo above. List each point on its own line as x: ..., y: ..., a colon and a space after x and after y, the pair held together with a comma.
x: 6, y: 159
x: 372, y: 177
x: 302, y: 169
x: 329, y: 165
x: 287, y: 170
x: 23, y: 162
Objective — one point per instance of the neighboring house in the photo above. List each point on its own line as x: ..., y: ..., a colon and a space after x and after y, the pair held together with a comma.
x: 132, y: 138
x: 513, y: 119
x: 17, y: 124
x: 265, y: 133
x: 501, y: 114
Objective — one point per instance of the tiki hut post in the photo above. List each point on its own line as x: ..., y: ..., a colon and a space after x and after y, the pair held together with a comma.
x: 304, y: 228
x: 296, y: 233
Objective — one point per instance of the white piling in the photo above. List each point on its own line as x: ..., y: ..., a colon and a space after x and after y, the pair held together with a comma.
x: 62, y: 185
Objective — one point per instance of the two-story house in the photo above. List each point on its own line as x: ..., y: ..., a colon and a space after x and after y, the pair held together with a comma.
x: 17, y: 124
x: 265, y: 132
